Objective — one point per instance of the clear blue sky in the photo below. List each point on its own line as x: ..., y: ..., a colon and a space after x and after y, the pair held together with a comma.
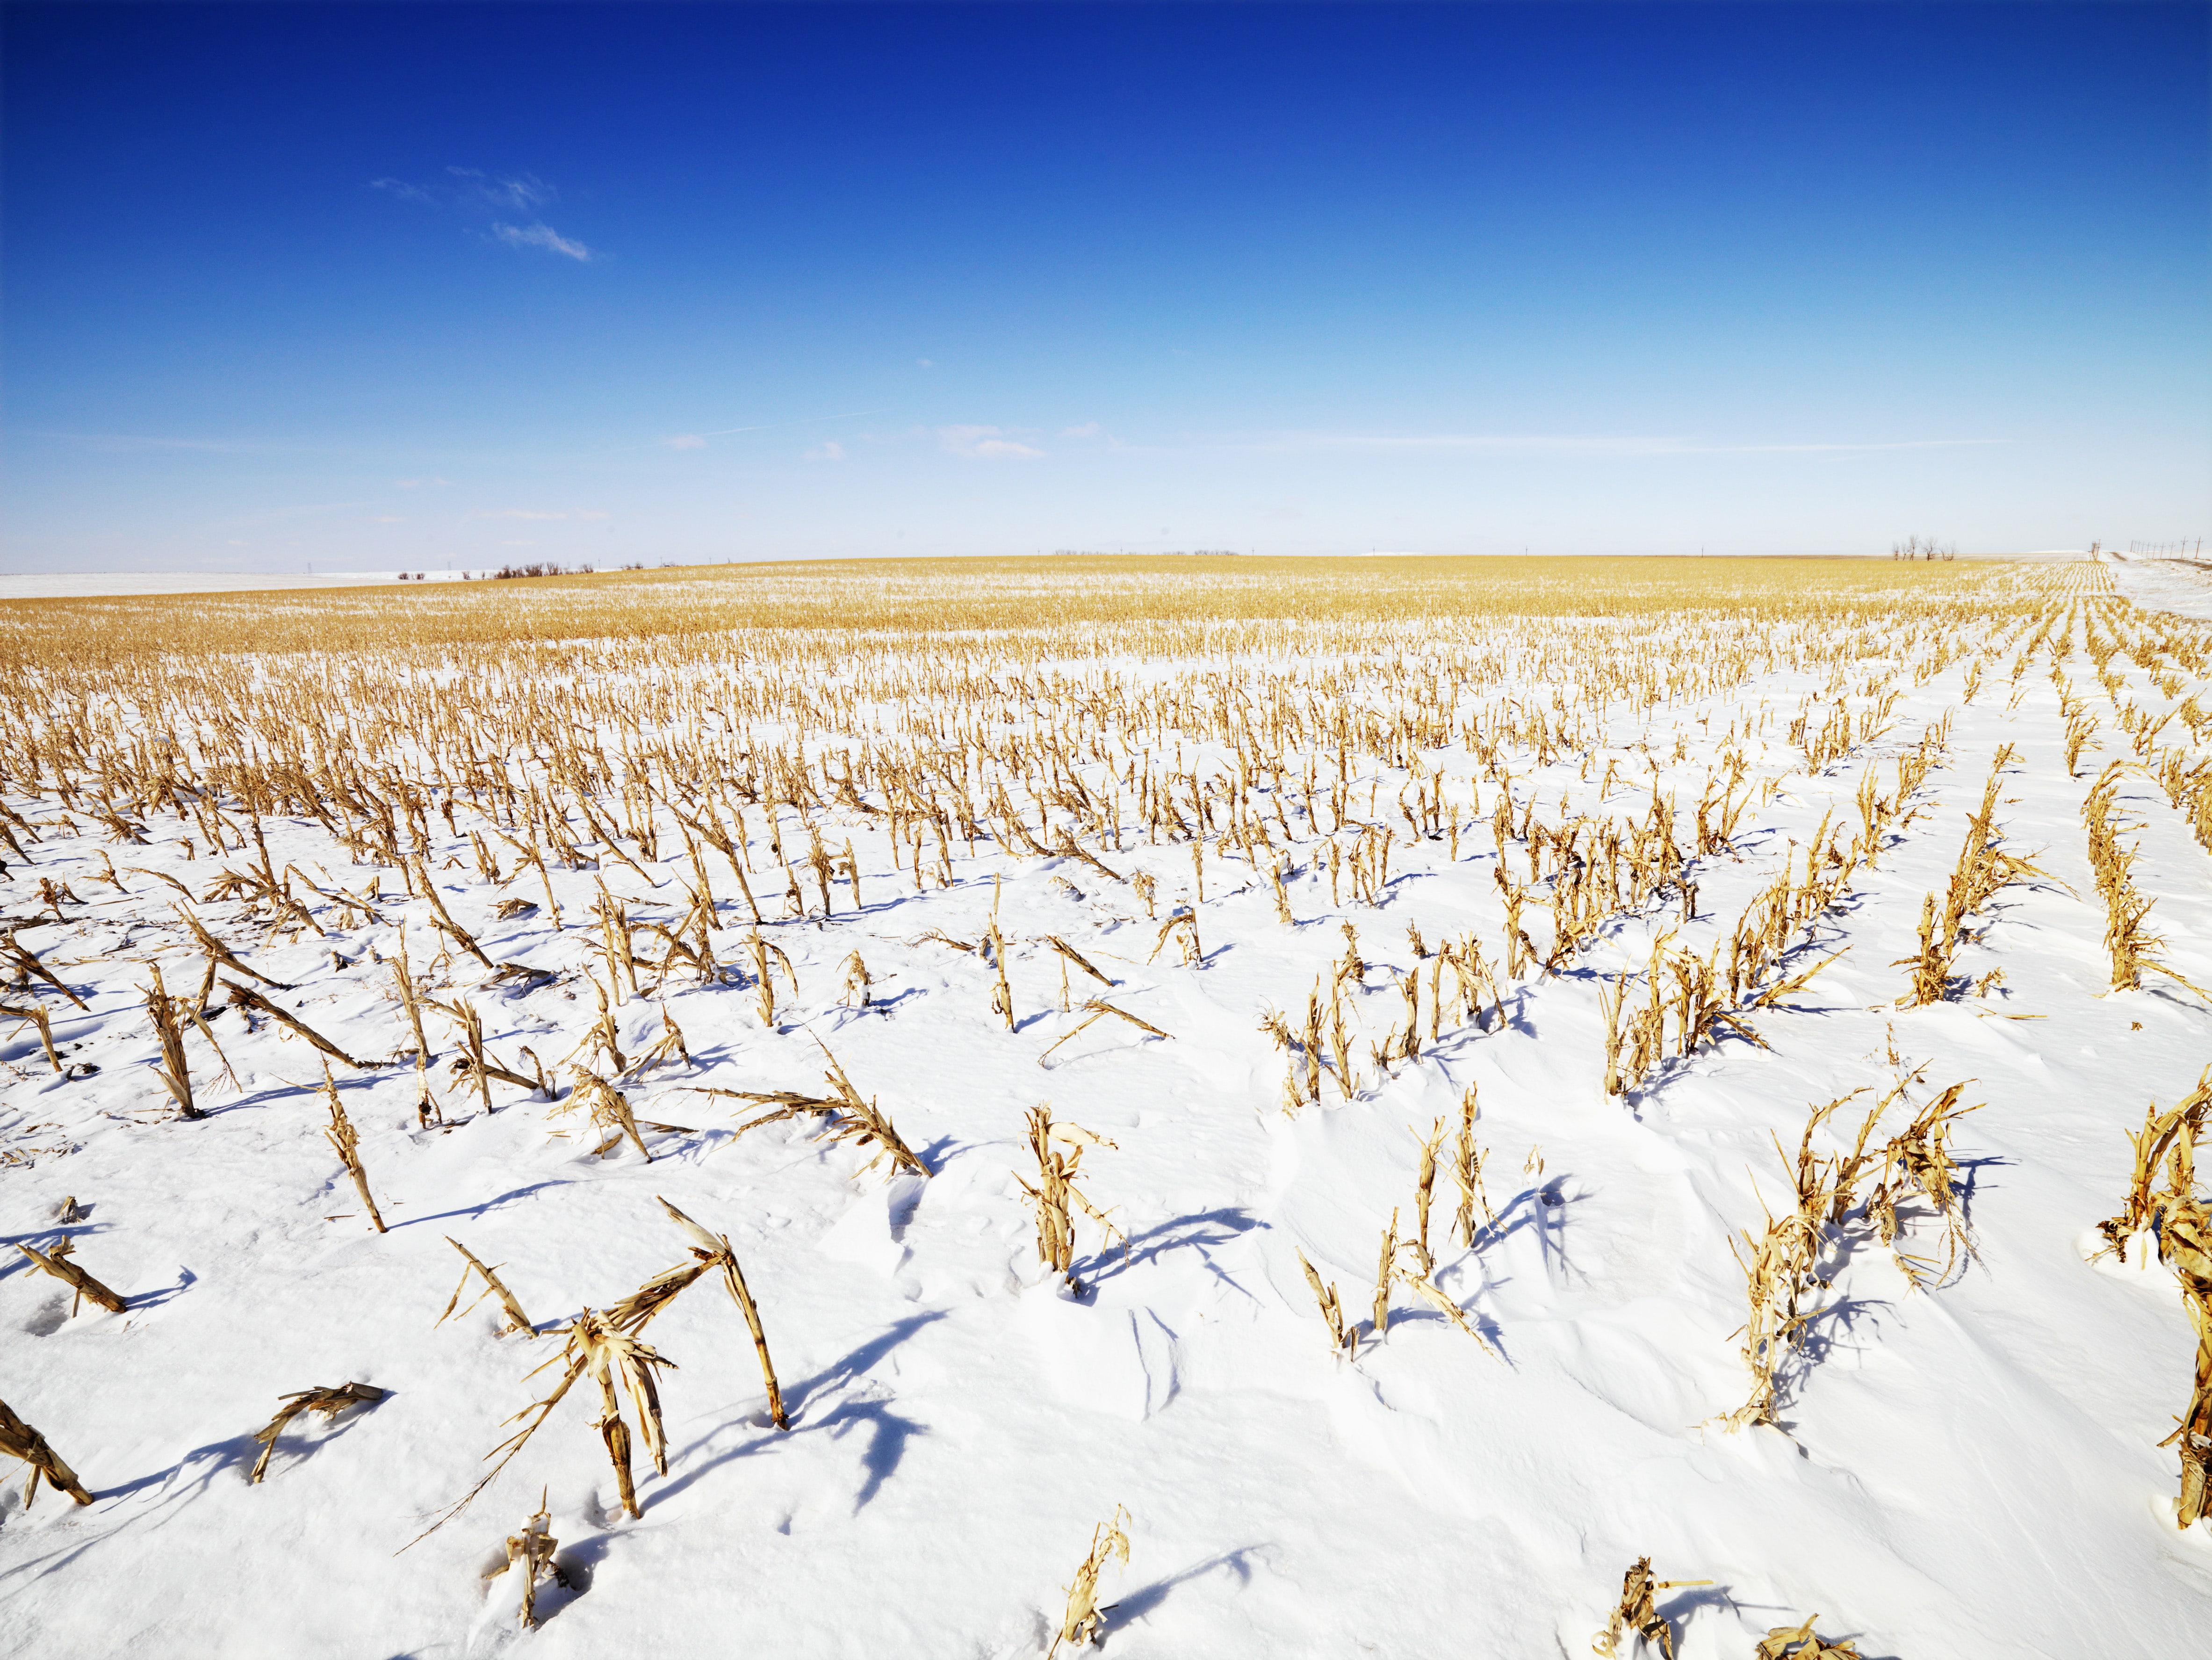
x: 393, y: 287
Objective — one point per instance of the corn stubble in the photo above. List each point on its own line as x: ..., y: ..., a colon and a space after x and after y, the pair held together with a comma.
x: 603, y: 1343
x: 19, y: 1440
x: 1084, y: 1620
x: 55, y: 1261
x: 1058, y: 1149
x: 1636, y: 1615
x: 846, y: 1115
x: 2178, y: 1217
x: 1803, y: 1643
x: 530, y: 1555
x: 492, y: 1285
x: 327, y: 1400
x: 1784, y: 1262
x: 345, y: 1141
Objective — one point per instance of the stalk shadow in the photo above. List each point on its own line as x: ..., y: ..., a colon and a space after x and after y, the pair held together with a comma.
x: 1199, y: 1232
x: 889, y: 1432
x: 1139, y: 1603
x: 479, y: 1210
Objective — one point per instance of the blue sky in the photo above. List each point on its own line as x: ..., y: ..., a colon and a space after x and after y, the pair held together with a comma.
x: 399, y: 287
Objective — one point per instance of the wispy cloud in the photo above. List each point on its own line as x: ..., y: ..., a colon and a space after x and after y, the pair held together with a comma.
x: 985, y: 444
x: 475, y: 193
x: 1565, y: 444
x: 697, y: 440
x: 518, y: 513
x: 541, y: 236
x: 1088, y: 429
x: 831, y: 451
x: 521, y: 193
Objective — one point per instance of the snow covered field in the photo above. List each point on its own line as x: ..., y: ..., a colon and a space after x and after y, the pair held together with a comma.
x: 1598, y: 879
x: 2183, y: 586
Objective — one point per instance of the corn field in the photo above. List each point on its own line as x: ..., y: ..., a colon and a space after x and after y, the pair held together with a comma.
x: 1734, y: 994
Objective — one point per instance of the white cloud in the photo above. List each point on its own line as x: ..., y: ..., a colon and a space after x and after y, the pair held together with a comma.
x: 984, y: 444
x: 593, y: 512
x: 1088, y: 429
x: 541, y: 236
x: 686, y: 441
x: 520, y: 512
x: 925, y: 363
x: 830, y: 451
x: 521, y: 193
x: 474, y: 188
x: 1565, y: 444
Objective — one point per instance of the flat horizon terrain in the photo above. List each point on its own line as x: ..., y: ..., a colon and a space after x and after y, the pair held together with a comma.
x: 1405, y: 1085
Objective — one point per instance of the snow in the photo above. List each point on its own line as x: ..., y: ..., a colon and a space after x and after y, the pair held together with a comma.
x: 1970, y: 1469
x: 2183, y: 586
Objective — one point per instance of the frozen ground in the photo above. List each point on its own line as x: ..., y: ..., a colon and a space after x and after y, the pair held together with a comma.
x: 1968, y: 1470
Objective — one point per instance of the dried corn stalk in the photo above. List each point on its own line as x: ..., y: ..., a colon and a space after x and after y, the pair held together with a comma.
x: 1085, y: 1620
x: 1386, y: 1271
x: 2151, y: 1143
x: 1341, y: 1337
x: 244, y: 997
x: 19, y: 1440
x: 1639, y: 1615
x: 1467, y: 1171
x: 493, y: 1286
x: 1776, y: 1269
x: 1920, y: 1157
x: 856, y: 983
x: 660, y: 1052
x: 168, y: 1015
x: 1803, y: 1643
x: 531, y: 1551
x: 713, y: 1250
x: 32, y: 1015
x: 1095, y: 1010
x: 56, y: 1263
x: 850, y: 1116
x: 613, y: 1356
x: 766, y: 956
x: 1072, y: 955
x: 325, y: 1400
x: 1058, y: 1165
x: 346, y: 1141
x: 609, y: 1109
x: 411, y: 999
x: 443, y: 922
x: 216, y: 953
x: 1425, y: 1182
